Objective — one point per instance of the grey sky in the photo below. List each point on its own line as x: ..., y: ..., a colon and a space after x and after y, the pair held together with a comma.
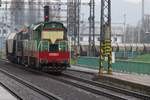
x: 132, y: 9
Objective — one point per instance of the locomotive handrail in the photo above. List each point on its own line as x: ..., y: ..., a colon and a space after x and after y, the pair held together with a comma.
x: 35, y: 44
x: 63, y: 45
x: 41, y: 44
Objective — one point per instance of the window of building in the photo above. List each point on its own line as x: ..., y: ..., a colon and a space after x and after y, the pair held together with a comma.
x: 81, y: 38
x: 98, y: 39
x: 4, y: 31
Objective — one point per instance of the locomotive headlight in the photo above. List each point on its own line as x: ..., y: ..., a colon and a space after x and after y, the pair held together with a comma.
x: 60, y: 49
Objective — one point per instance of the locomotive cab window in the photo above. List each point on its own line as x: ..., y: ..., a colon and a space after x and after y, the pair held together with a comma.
x: 53, y: 47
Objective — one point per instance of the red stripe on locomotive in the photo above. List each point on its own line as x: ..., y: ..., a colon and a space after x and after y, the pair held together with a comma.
x: 54, y: 56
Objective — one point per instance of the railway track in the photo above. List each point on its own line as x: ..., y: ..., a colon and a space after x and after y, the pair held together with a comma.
x: 109, y: 87
x: 61, y: 79
x: 8, y: 67
x: 31, y: 86
x: 94, y: 87
x: 11, y: 92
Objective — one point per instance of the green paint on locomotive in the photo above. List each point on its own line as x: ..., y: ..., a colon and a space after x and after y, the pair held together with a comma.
x: 46, y: 25
x: 38, y: 44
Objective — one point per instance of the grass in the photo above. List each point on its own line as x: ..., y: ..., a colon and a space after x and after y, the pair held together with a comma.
x: 142, y: 58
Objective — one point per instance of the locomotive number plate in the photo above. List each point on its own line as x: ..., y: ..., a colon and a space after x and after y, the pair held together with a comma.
x: 53, y: 54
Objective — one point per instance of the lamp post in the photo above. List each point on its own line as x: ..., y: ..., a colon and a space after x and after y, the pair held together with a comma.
x: 142, y: 24
x: 124, y: 28
x: 142, y: 12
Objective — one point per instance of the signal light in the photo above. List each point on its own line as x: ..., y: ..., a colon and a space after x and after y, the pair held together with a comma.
x: 46, y: 13
x: 46, y: 17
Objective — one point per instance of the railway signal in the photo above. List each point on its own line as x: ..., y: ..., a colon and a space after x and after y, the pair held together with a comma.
x: 46, y: 13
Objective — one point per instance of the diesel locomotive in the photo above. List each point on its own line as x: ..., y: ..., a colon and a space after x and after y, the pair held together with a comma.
x: 43, y: 45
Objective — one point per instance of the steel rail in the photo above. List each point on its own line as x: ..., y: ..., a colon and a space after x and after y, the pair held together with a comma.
x: 109, y: 87
x: 10, y: 91
x: 65, y: 78
x: 31, y: 86
x: 75, y: 84
x: 89, y: 88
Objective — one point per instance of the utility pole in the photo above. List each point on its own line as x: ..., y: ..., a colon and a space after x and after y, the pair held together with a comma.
x: 73, y: 24
x: 18, y: 11
x: 124, y: 28
x: 78, y: 3
x: 39, y: 10
x: 92, y: 29
x: 124, y: 31
x: 105, y: 37
x: 142, y: 25
x: 142, y: 11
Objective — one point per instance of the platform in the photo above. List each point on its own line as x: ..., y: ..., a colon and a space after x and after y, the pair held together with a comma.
x: 5, y: 95
x: 133, y: 78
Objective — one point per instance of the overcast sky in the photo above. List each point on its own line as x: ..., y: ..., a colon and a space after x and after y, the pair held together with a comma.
x: 132, y: 9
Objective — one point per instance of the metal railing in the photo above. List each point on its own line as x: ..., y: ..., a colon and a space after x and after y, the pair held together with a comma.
x: 43, y: 45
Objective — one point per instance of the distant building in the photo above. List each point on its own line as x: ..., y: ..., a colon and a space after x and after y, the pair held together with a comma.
x: 117, y: 34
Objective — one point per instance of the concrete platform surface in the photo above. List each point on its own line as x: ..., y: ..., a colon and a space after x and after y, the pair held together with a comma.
x: 5, y: 95
x: 134, y: 78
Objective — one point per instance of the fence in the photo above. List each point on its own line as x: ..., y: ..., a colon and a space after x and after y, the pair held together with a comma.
x: 119, y: 65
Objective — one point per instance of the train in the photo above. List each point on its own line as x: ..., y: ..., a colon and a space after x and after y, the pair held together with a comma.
x: 119, y: 48
x: 43, y: 46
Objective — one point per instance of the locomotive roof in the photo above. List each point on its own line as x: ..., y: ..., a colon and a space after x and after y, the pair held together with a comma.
x: 36, y: 25
x: 11, y: 36
x: 54, y: 22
